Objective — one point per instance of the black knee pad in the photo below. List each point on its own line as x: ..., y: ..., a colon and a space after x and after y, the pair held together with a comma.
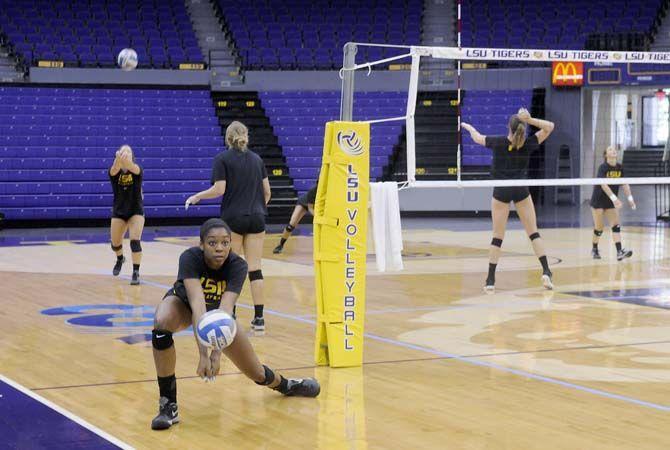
x: 116, y: 248
x: 616, y: 229
x: 598, y: 232
x: 290, y: 228
x: 135, y: 246
x: 269, y: 377
x: 255, y: 275
x: 534, y: 236
x: 496, y: 242
x: 161, y: 339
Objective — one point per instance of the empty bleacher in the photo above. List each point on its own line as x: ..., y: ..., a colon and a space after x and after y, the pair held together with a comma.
x: 90, y: 34
x: 564, y: 24
x: 56, y: 145
x: 298, y: 119
x: 298, y: 34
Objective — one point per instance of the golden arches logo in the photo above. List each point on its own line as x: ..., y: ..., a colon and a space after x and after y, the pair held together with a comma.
x: 567, y: 73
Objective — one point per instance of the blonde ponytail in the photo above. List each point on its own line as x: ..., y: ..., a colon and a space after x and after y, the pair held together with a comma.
x: 237, y: 136
x: 518, y: 130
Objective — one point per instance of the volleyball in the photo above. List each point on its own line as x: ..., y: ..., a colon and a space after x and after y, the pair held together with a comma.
x: 216, y: 329
x: 127, y: 59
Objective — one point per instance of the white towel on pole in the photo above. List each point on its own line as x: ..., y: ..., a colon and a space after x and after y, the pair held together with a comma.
x: 386, y: 226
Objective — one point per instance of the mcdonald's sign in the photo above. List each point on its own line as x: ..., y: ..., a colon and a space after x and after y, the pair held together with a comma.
x: 566, y: 73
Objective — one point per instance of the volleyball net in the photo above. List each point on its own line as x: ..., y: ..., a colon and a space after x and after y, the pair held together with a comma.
x: 468, y: 166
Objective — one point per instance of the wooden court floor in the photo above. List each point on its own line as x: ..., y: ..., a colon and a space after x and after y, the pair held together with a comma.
x: 446, y: 366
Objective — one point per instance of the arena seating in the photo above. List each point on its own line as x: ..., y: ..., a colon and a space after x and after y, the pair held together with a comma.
x: 298, y: 119
x: 56, y: 145
x: 90, y: 34
x: 558, y: 24
x: 299, y: 34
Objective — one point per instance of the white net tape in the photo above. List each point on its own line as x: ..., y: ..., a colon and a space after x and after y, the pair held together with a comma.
x: 500, y: 54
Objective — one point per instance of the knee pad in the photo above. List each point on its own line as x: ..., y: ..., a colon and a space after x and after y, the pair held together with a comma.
x: 534, y: 236
x: 598, y: 232
x: 496, y: 242
x: 269, y: 377
x: 255, y: 275
x: 290, y: 228
x: 116, y: 248
x: 135, y: 246
x: 161, y: 339
x: 616, y: 229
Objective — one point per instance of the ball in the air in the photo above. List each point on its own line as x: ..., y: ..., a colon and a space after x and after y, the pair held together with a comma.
x: 127, y: 59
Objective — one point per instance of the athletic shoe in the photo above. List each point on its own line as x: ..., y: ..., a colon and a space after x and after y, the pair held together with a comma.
x: 623, y: 254
x: 546, y: 281
x: 490, y: 286
x: 278, y: 249
x: 117, y: 267
x: 595, y: 253
x: 258, y: 324
x: 136, y: 278
x: 302, y: 387
x: 167, y: 416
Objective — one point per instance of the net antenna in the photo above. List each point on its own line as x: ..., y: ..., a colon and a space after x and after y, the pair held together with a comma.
x: 481, y: 54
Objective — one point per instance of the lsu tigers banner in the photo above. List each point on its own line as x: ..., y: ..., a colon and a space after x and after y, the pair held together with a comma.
x: 340, y: 241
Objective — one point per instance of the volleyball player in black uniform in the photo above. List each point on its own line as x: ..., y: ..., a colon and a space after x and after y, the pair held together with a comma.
x: 128, y: 210
x: 210, y: 276
x: 511, y: 154
x: 239, y: 176
x: 605, y: 204
x: 305, y: 204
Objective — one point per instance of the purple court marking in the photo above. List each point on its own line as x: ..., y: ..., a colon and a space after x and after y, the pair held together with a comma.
x: 654, y: 297
x: 27, y: 420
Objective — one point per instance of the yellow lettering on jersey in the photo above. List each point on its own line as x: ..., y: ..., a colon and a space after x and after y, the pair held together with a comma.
x: 126, y: 179
x: 212, y: 289
x: 613, y: 174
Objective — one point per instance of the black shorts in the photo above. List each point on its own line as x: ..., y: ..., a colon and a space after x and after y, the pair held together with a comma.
x: 126, y: 216
x: 252, y: 224
x: 601, y: 203
x: 303, y: 201
x: 511, y: 194
x: 180, y: 293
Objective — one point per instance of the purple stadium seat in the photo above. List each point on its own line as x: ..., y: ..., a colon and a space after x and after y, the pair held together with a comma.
x: 56, y: 143
x: 67, y: 23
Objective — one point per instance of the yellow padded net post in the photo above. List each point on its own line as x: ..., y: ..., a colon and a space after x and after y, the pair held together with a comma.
x: 340, y: 241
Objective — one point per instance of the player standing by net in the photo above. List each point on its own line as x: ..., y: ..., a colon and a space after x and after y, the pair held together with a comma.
x: 605, y: 204
x: 511, y: 154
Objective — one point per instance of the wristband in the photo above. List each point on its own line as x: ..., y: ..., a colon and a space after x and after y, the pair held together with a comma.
x: 613, y: 198
x: 630, y: 199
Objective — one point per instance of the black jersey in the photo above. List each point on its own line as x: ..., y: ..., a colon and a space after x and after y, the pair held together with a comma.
x: 127, y: 189
x: 599, y: 199
x: 243, y: 173
x: 510, y: 163
x: 228, y: 278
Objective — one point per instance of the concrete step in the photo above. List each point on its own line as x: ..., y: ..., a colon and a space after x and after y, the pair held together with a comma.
x: 201, y: 27
x: 222, y: 62
x: 11, y: 77
x: 225, y: 71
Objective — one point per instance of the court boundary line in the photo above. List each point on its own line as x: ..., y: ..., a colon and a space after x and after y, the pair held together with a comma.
x: 368, y: 363
x: 474, y: 361
x: 64, y: 412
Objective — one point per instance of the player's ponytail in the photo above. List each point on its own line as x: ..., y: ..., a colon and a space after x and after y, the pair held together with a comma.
x: 237, y: 136
x: 518, y: 131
